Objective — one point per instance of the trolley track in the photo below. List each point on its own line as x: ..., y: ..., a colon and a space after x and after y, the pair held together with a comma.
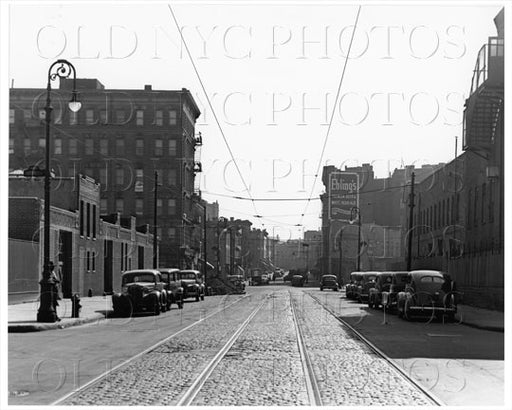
x: 434, y: 400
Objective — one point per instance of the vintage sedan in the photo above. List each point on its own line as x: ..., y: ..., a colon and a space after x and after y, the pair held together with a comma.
x: 351, y: 287
x: 398, y: 282
x: 142, y: 290
x: 238, y: 283
x: 363, y: 287
x: 172, y: 285
x: 329, y: 282
x: 428, y: 293
x: 298, y: 280
x: 192, y: 283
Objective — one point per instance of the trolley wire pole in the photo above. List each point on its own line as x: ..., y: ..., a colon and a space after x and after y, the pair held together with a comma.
x: 411, y: 214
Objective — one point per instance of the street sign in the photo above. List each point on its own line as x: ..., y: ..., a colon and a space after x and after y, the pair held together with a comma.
x: 343, y: 194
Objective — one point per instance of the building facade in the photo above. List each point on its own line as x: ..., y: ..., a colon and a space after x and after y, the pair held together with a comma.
x: 127, y: 140
x: 93, y: 250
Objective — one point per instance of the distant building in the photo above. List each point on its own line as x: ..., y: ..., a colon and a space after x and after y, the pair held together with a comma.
x: 120, y: 137
x: 93, y: 250
x: 383, y: 206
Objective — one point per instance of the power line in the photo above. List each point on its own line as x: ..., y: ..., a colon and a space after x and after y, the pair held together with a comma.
x: 211, y: 106
x: 332, y: 115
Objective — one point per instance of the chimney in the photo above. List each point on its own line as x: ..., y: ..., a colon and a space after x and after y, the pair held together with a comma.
x: 147, y: 87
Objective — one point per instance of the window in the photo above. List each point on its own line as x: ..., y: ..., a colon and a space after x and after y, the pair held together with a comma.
x: 26, y: 146
x: 435, y: 217
x: 172, y: 147
x: 159, y: 118
x: 484, y: 202
x: 88, y: 216
x: 139, y: 206
x: 11, y: 145
x: 139, y: 180
x: 81, y: 218
x: 496, y: 47
x: 104, y: 146
x: 89, y: 146
x: 57, y: 146
x: 172, y: 177
x: 139, y: 146
x: 159, y: 232
x: 88, y: 261
x: 171, y: 206
x: 42, y: 114
x: 171, y: 233
x: 120, y: 117
x: 173, y: 117
x: 89, y: 117
x: 120, y: 205
x: 159, y: 147
x: 73, y: 147
x: 119, y: 176
x: 443, y: 214
x: 93, y: 261
x: 119, y: 146
x: 440, y: 247
x: 42, y: 143
x: 73, y: 118
x: 103, y: 206
x: 139, y: 117
x: 93, y: 222
x: 470, y: 207
x: 122, y: 257
x: 159, y: 207
x: 58, y: 117
x: 12, y: 116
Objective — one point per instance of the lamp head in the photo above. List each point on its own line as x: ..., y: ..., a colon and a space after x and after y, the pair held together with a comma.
x: 74, y: 105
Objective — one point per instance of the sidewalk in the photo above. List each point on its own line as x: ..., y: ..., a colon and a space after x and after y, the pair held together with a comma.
x: 23, y: 316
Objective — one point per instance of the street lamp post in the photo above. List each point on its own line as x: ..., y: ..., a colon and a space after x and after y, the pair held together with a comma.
x: 353, y: 211
x: 61, y: 69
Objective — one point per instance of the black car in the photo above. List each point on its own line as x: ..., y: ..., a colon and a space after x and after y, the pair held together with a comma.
x: 329, y: 282
x: 142, y: 290
x: 192, y: 283
x: 172, y: 285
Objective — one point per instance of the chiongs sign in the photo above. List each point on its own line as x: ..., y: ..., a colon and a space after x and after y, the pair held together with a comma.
x: 343, y: 194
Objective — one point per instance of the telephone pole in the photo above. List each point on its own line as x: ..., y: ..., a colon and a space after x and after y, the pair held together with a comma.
x: 411, y: 214
x: 155, y: 241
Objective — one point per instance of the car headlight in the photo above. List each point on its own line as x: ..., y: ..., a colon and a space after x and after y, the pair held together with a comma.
x: 124, y: 289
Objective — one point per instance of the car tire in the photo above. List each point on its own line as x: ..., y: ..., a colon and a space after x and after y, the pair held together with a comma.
x: 156, y: 307
x: 197, y: 298
x: 335, y: 289
x: 321, y: 289
x: 202, y: 296
x: 180, y: 305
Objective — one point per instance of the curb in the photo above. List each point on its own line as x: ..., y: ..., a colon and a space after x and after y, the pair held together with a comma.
x: 38, y: 327
x: 500, y: 329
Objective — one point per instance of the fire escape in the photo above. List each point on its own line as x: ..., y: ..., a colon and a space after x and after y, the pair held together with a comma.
x: 485, y: 103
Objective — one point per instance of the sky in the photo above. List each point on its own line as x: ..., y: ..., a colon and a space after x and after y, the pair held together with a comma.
x: 271, y: 73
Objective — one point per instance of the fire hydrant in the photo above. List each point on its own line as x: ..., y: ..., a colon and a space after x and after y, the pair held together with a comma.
x: 75, y: 305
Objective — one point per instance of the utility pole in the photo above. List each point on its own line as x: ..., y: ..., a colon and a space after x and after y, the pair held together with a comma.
x: 411, y: 214
x: 155, y: 240
x: 205, y: 263
x: 341, y: 255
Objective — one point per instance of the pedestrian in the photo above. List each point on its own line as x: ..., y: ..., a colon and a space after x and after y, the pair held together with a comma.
x: 55, y: 288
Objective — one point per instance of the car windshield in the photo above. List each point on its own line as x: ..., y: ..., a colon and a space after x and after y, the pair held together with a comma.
x: 138, y: 277
x: 169, y: 276
x: 402, y: 278
x: 369, y: 278
x: 187, y: 275
x: 431, y: 279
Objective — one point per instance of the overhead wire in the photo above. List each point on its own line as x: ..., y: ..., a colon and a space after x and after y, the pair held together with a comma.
x: 332, y: 115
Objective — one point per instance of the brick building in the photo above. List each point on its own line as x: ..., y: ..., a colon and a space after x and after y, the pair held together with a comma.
x: 120, y: 137
x: 94, y: 250
x: 460, y: 209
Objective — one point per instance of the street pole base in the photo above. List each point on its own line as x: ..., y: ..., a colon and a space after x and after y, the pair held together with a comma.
x: 46, y: 316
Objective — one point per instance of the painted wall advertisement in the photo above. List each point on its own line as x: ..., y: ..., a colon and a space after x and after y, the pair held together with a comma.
x: 343, y: 194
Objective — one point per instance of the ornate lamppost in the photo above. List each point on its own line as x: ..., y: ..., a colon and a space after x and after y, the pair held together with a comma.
x: 61, y: 69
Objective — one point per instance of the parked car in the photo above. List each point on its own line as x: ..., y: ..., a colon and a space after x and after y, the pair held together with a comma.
x: 382, y: 284
x: 363, y: 287
x: 398, y: 282
x: 329, y: 282
x: 351, y: 287
x: 142, y: 290
x: 172, y: 285
x: 237, y: 281
x: 427, y: 293
x: 264, y: 279
x: 298, y: 280
x: 192, y: 283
